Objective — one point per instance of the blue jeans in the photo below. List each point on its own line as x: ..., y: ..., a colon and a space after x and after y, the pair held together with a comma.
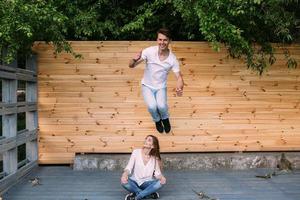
x: 156, y: 101
x: 143, y: 190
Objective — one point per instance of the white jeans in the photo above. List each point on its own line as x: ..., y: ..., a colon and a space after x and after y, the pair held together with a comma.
x: 156, y: 101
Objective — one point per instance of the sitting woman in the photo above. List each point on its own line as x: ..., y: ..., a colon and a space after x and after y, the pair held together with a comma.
x: 144, y: 167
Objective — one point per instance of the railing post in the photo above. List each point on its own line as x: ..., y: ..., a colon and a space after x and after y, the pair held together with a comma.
x: 31, y: 62
x: 10, y: 158
x: 31, y: 116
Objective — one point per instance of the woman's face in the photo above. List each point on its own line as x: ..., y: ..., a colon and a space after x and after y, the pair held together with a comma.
x: 148, y: 142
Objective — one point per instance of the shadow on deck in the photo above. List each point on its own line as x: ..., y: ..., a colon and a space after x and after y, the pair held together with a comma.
x: 62, y: 183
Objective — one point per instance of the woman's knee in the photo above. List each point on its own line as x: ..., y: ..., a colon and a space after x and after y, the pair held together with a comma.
x: 158, y: 185
x: 126, y: 186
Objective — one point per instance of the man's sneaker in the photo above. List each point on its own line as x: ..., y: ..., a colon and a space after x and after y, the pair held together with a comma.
x: 167, y: 125
x: 130, y: 196
x: 159, y: 126
x: 154, y: 195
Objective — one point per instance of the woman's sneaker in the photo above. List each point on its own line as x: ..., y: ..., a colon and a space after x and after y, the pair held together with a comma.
x: 154, y: 195
x: 130, y: 196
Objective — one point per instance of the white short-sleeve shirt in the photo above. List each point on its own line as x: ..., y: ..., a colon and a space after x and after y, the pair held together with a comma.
x: 139, y: 171
x: 156, y: 71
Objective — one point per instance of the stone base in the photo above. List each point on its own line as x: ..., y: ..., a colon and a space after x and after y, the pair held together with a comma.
x: 190, y: 161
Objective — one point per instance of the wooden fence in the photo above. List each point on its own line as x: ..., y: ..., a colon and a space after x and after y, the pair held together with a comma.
x: 94, y: 104
x: 18, y: 111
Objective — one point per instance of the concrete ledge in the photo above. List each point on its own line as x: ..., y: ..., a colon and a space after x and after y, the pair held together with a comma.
x: 190, y: 161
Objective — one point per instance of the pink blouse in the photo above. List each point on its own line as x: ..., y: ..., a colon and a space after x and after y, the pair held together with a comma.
x: 139, y: 171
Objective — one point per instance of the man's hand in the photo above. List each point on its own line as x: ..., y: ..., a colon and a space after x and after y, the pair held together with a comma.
x: 179, y: 91
x: 180, y: 84
x: 137, y: 56
x: 135, y: 60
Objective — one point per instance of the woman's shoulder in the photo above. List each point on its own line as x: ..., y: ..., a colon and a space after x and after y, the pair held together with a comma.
x: 136, y: 150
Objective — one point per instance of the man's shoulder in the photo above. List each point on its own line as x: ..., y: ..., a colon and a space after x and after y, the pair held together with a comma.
x: 151, y: 48
x: 173, y: 59
x: 149, y: 52
x: 172, y: 55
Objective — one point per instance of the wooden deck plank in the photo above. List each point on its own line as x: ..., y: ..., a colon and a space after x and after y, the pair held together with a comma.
x: 63, y: 183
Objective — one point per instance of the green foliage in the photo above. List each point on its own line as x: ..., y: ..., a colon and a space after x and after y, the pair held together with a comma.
x: 247, y: 28
x: 25, y: 21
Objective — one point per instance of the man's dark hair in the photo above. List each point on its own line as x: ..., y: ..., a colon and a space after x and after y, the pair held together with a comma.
x: 165, y: 32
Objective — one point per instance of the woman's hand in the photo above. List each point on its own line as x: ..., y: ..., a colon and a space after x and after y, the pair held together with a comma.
x: 124, y: 178
x: 162, y: 180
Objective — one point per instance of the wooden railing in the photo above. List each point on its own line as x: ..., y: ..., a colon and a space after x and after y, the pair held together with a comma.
x: 14, y: 165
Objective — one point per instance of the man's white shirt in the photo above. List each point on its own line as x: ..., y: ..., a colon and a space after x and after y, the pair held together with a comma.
x: 156, y: 71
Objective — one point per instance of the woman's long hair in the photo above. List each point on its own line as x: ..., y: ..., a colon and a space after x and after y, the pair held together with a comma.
x: 156, y: 149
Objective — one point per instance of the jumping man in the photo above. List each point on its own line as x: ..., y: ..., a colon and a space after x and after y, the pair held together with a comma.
x: 159, y: 61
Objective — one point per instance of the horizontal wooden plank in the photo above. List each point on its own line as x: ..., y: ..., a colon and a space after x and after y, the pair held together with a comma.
x: 94, y: 104
x: 13, y: 142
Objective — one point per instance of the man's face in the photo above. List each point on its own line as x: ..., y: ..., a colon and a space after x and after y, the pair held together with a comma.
x: 163, y: 41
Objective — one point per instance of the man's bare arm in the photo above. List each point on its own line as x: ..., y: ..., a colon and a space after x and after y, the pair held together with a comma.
x: 135, y: 60
x: 180, y: 84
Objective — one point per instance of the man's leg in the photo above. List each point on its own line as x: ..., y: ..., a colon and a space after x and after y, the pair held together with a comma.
x: 148, y: 188
x: 162, y: 105
x: 149, y: 98
x: 161, y: 100
x: 132, y: 186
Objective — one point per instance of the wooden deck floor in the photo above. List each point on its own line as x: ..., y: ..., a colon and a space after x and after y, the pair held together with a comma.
x: 62, y: 183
